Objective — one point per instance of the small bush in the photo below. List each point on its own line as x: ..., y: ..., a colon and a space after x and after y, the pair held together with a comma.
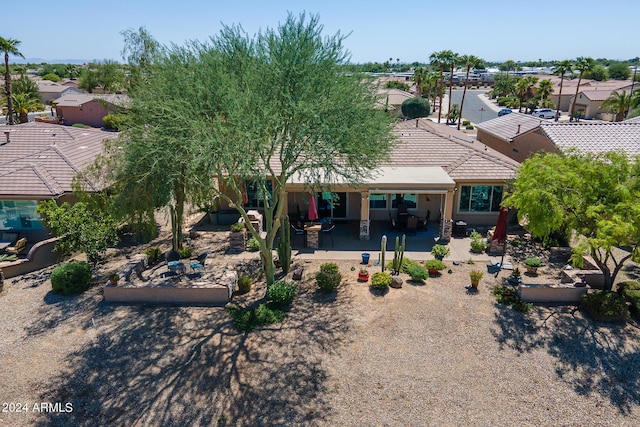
x: 478, y: 245
x: 466, y: 123
x: 380, y: 281
x: 509, y: 296
x: 154, y: 254
x: 71, y: 278
x: 244, y: 284
x: 282, y: 293
x: 113, y: 121
x: 533, y: 262
x: 328, y: 278
x: 606, y: 306
x: 237, y: 226
x: 407, y: 263
x: 633, y: 296
x: 253, y: 245
x: 625, y: 287
x: 469, y: 127
x: 246, y: 320
x: 418, y: 274
x: 440, y: 251
x: 80, y: 125
x: 185, y: 252
x: 434, y: 264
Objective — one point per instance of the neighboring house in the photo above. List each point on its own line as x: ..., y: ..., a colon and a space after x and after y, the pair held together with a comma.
x: 39, y: 161
x: 434, y: 169
x: 50, y: 91
x: 515, y: 135
x: 88, y: 109
x: 519, y: 136
x: 589, y: 101
x: 392, y: 99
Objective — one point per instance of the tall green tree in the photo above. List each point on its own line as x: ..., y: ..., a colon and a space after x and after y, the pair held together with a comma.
x: 9, y: 47
x: 419, y: 76
x: 593, y: 196
x: 469, y: 62
x: 621, y: 102
x: 584, y: 65
x: 619, y: 71
x: 439, y: 60
x: 562, y: 68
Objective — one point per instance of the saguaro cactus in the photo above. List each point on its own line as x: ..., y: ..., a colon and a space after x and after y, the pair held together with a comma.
x: 284, y: 245
x: 398, y: 254
x: 383, y: 248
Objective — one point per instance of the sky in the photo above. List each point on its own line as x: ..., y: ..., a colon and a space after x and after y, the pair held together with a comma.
x: 493, y: 30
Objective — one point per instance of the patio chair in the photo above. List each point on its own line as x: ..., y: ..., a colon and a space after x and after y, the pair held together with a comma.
x: 20, y: 246
x: 412, y: 225
x: 327, y: 231
x: 300, y: 232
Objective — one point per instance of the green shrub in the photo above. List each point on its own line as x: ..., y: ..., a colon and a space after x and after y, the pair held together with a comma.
x: 113, y: 121
x: 625, y: 287
x: 418, y: 274
x: 509, y: 296
x: 469, y: 127
x: 466, y: 123
x: 253, y: 245
x: 328, y: 278
x: 185, y: 252
x: 606, y: 306
x: 533, y: 262
x: 51, y: 77
x: 478, y: 245
x: 71, y: 278
x: 434, y: 264
x: 633, y: 296
x: 237, y: 226
x: 407, y: 263
x: 439, y: 251
x: 282, y: 293
x: 380, y: 281
x: 245, y: 320
x: 154, y: 254
x: 244, y: 284
x: 80, y: 125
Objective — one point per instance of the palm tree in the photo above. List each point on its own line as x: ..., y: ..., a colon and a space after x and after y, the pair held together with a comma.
x: 562, y: 68
x: 545, y: 89
x: 469, y: 61
x: 430, y: 86
x: 509, y: 64
x: 440, y: 59
x: 582, y: 64
x: 452, y: 60
x: 524, y: 89
x: 419, y: 76
x: 9, y: 46
x: 23, y: 104
x: 620, y: 103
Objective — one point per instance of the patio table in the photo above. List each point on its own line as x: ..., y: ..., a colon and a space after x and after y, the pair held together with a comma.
x: 313, y: 235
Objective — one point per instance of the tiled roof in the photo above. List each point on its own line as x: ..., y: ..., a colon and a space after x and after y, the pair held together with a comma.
x: 79, y: 99
x: 461, y: 158
x: 395, y: 96
x: 597, y: 95
x: 633, y: 120
x: 595, y: 137
x: 41, y: 159
x: 510, y: 126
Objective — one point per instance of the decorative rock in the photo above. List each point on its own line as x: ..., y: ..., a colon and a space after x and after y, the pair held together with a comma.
x: 396, y: 282
x: 297, y: 275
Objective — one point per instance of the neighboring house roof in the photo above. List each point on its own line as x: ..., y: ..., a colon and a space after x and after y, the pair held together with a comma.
x: 510, y: 126
x: 40, y: 160
x: 79, y: 99
x: 394, y: 96
x: 462, y: 159
x: 46, y: 86
x: 633, y: 120
x: 595, y: 137
x: 597, y: 95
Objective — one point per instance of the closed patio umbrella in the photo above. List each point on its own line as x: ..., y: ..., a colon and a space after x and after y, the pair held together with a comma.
x: 500, y: 234
x: 312, y: 213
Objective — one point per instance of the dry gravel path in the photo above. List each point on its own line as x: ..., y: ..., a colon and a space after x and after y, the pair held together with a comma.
x: 432, y: 354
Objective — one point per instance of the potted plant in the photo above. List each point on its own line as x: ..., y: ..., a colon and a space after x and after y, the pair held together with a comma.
x: 113, y: 278
x: 363, y: 275
x: 439, y: 251
x: 434, y: 266
x: 478, y: 242
x: 532, y: 264
x: 476, y: 276
x: 515, y: 278
x: 154, y: 254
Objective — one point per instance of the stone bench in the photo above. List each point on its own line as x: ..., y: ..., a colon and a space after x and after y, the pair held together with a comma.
x: 590, y: 273
x: 547, y: 292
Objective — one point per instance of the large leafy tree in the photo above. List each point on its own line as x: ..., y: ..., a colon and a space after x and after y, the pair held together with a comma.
x: 469, y: 62
x: 593, y: 196
x: 9, y: 47
x: 584, y: 65
x: 619, y: 71
x: 545, y: 89
x: 562, y: 68
x: 107, y: 76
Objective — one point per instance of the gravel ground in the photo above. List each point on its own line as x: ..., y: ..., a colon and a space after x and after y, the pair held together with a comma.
x: 426, y: 354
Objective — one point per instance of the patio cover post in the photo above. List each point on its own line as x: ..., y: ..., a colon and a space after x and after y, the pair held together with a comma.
x: 364, y: 216
x: 446, y: 228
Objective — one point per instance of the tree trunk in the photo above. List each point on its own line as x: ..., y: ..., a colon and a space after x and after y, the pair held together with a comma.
x: 573, y: 104
x: 559, y: 98
x: 464, y: 93
x: 439, y: 89
x: 177, y: 215
x: 450, y: 88
x: 7, y: 88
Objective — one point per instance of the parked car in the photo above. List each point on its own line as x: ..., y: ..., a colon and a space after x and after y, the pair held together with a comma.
x: 505, y: 111
x: 544, y: 113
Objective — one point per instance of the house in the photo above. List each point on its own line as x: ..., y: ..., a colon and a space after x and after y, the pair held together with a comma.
x: 39, y: 161
x: 515, y: 135
x: 50, y: 91
x: 589, y: 101
x: 392, y: 99
x: 519, y: 136
x: 88, y: 109
x: 435, y: 171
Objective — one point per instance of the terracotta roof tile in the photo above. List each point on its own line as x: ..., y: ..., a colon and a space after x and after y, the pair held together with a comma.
x: 595, y: 137
x: 510, y: 126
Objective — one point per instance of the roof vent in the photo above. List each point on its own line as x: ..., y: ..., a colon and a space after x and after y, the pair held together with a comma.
x: 7, y: 133
x: 518, y: 131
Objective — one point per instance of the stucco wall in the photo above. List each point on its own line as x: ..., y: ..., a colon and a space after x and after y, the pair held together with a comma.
x: 90, y: 114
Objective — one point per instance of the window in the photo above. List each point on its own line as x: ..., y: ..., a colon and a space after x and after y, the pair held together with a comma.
x: 411, y: 200
x: 255, y: 194
x: 19, y: 215
x: 480, y: 198
x: 377, y: 201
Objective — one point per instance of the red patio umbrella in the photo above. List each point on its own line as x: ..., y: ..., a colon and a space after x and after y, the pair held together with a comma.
x: 245, y: 195
x: 501, y: 226
x: 312, y: 213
